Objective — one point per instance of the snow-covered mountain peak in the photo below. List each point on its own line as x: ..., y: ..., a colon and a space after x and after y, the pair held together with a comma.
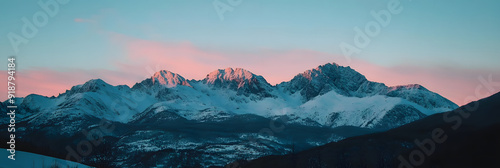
x: 161, y: 80
x: 168, y: 79
x: 239, y: 90
x: 229, y: 74
x: 324, y: 78
x: 407, y: 87
x: 420, y: 95
x: 332, y: 71
x: 327, y: 65
x: 96, y: 82
x: 240, y: 80
x: 92, y: 85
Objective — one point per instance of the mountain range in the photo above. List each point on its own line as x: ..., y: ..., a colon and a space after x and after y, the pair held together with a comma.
x: 464, y: 137
x: 231, y: 114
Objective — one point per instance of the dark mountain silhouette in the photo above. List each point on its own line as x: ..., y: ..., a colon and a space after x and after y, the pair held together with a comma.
x: 465, y: 137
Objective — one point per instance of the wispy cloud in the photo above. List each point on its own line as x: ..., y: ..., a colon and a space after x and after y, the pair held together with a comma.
x: 144, y: 57
x: 50, y: 82
x: 82, y: 20
x: 194, y: 63
x: 454, y: 83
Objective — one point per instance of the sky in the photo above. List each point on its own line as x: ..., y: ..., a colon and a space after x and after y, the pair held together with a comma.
x: 449, y: 47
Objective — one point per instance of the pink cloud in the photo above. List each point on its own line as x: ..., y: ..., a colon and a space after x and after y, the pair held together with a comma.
x: 194, y: 63
x: 82, y: 20
x: 456, y: 84
x: 78, y: 20
x: 144, y: 57
x: 49, y: 82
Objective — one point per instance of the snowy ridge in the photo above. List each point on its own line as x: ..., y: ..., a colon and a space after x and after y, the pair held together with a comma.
x: 240, y: 80
x: 325, y: 78
x: 407, y: 87
x: 216, y: 120
x: 229, y: 74
x: 329, y: 95
x: 169, y: 79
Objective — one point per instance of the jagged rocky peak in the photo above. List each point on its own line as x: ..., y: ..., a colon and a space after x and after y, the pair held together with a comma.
x: 162, y: 79
x: 241, y: 80
x: 168, y: 79
x: 407, y: 87
x: 229, y: 74
x: 95, y: 82
x: 310, y: 74
x: 239, y: 75
x: 325, y: 78
x: 333, y: 71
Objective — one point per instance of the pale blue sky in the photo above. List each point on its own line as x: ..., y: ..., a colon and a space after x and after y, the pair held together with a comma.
x: 426, y: 34
x: 462, y: 33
